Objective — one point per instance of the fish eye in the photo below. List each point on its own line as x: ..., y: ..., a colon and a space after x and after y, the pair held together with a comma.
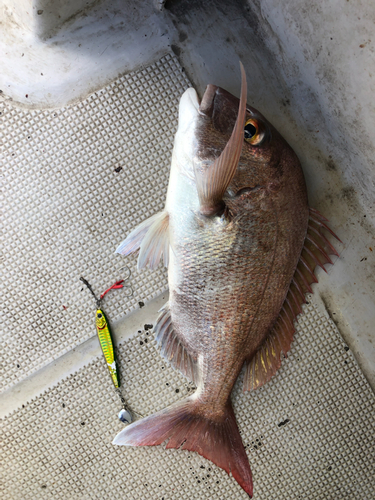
x: 252, y: 132
x: 100, y: 315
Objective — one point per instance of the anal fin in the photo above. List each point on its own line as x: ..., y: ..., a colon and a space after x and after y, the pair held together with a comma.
x: 315, y: 252
x: 151, y: 238
x: 173, y: 348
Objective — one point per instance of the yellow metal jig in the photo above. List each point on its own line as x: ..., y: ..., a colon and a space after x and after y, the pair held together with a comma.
x: 104, y: 332
x: 105, y: 338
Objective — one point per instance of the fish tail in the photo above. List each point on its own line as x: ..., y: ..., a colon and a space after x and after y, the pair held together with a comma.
x: 186, y: 425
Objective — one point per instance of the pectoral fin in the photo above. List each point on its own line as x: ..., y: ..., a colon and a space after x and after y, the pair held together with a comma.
x: 213, y: 180
x: 151, y: 238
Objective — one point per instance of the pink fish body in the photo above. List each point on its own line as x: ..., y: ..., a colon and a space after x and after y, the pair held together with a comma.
x: 241, y: 247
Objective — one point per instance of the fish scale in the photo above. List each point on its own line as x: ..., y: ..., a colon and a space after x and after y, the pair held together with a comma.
x: 236, y: 234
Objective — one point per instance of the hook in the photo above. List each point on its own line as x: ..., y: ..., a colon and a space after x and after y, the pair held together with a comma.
x: 129, y: 272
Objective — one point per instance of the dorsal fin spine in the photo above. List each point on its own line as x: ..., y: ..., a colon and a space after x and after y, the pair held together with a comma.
x: 285, y: 318
x: 295, y: 300
x: 304, y: 262
x: 282, y: 337
x: 267, y: 356
x: 273, y: 346
x: 305, y: 282
x: 289, y: 311
x: 299, y: 289
x: 319, y: 235
x: 321, y: 250
x: 314, y: 211
x: 315, y: 258
x: 323, y: 224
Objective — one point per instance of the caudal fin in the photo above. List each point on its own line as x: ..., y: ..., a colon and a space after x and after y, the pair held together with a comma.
x: 185, y: 426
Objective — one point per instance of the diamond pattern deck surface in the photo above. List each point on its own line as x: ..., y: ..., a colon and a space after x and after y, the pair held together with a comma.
x: 309, y: 433
x: 76, y: 181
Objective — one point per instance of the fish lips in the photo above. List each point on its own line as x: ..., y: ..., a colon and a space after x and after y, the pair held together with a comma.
x: 220, y: 107
x: 207, y: 104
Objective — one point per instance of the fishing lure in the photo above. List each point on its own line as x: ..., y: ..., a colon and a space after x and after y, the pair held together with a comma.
x: 105, y: 339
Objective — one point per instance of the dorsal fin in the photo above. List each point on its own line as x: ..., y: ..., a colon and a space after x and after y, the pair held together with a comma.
x: 173, y: 348
x: 316, y: 250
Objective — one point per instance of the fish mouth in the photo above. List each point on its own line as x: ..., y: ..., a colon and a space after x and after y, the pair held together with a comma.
x: 220, y: 107
x: 187, y: 111
x: 222, y: 98
x: 206, y: 106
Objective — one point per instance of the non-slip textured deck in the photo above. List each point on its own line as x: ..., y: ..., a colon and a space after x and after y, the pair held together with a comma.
x: 309, y: 433
x: 75, y: 181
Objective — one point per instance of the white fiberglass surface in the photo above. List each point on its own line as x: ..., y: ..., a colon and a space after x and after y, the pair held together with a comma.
x: 78, y: 177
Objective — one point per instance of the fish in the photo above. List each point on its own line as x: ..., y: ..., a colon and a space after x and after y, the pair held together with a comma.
x: 241, y: 246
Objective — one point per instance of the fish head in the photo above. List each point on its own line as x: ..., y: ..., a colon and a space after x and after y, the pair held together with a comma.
x: 233, y: 155
x: 267, y: 164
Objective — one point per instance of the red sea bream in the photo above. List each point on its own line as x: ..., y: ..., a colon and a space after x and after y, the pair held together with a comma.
x: 241, y: 245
